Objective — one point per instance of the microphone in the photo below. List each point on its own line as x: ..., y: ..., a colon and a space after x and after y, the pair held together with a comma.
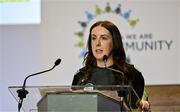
x: 105, y: 60
x: 23, y: 92
x: 121, y: 93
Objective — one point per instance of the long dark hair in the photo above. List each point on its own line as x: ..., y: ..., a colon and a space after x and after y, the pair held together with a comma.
x: 118, y: 53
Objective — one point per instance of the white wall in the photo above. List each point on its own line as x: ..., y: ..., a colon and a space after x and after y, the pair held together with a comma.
x: 1, y: 84
x: 20, y: 56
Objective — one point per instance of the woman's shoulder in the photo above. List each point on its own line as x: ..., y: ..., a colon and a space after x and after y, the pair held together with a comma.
x: 132, y: 68
x: 81, y: 71
x: 79, y: 76
x: 134, y: 73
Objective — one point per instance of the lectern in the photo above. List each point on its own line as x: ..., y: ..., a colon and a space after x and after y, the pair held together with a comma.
x: 74, y: 98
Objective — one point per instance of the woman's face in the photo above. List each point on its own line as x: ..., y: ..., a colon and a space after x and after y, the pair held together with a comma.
x: 101, y: 42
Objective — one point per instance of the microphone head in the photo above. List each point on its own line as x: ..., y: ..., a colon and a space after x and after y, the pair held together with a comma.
x: 105, y: 57
x: 57, y: 62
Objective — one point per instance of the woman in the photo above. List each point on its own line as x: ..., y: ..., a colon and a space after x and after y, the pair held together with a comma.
x: 105, y: 40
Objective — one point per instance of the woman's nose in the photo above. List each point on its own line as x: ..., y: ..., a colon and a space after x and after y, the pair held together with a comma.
x: 98, y: 43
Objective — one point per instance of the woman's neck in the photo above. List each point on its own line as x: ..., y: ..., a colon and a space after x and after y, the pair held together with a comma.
x: 101, y: 63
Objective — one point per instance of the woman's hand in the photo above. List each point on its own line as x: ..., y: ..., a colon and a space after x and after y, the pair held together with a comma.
x: 144, y: 106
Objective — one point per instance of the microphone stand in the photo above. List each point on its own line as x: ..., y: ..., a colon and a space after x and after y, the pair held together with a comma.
x: 23, y: 92
x: 121, y: 93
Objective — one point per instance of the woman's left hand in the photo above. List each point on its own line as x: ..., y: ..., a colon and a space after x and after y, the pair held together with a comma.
x: 144, y: 106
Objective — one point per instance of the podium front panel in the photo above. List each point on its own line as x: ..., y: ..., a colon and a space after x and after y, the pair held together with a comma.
x: 68, y: 102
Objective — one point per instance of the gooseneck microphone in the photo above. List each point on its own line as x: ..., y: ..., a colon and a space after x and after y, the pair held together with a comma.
x: 121, y: 93
x: 23, y: 92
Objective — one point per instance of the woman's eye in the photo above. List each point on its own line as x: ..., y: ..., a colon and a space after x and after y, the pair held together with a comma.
x: 93, y: 38
x: 104, y: 38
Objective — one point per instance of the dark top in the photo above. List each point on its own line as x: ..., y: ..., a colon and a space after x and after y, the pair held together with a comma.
x: 103, y: 76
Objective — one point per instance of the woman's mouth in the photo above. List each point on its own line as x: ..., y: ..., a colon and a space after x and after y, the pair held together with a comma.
x: 99, y: 51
